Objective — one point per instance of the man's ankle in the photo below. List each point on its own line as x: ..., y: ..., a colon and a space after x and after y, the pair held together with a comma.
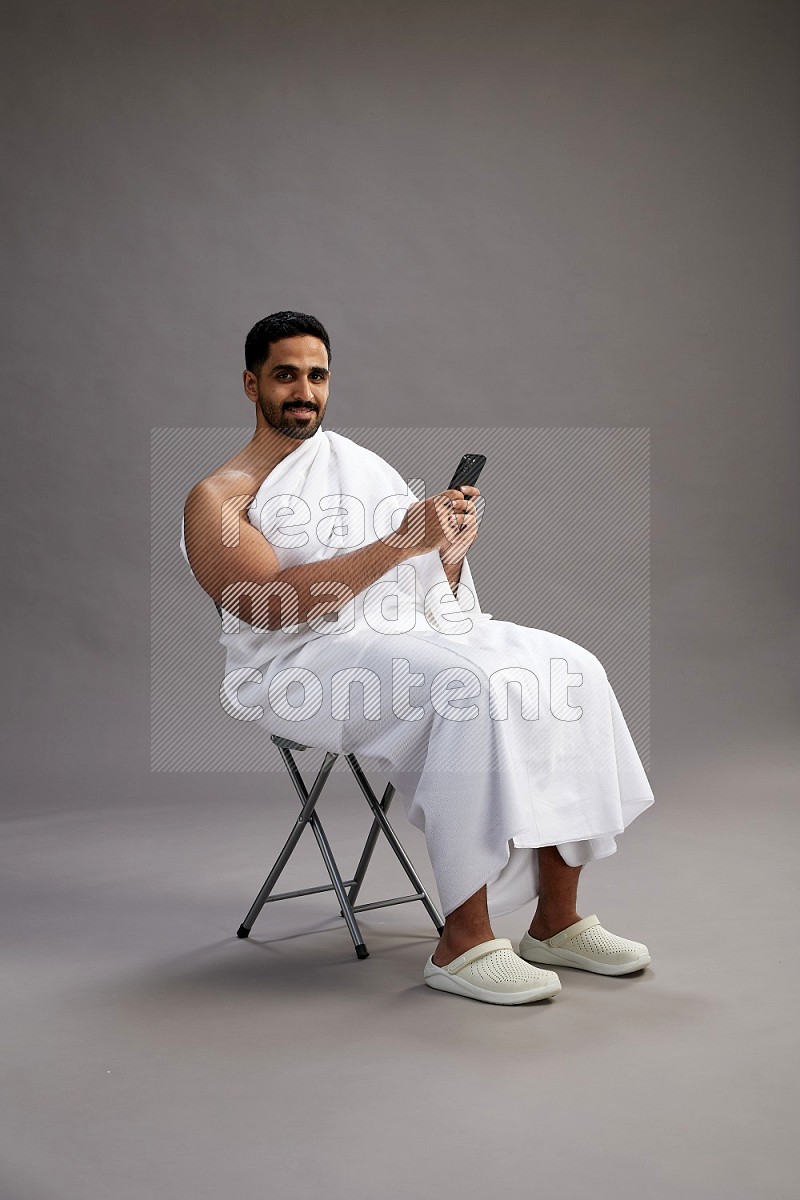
x: 545, y: 925
x: 453, y: 944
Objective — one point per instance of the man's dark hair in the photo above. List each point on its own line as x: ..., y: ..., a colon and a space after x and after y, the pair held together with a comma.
x: 276, y: 327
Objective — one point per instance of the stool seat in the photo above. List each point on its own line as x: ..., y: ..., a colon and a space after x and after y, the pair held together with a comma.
x: 281, y: 741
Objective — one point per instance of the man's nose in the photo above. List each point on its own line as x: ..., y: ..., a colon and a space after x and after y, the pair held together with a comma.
x: 304, y: 390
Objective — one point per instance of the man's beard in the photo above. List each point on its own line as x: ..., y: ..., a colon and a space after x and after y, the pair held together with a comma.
x: 280, y: 420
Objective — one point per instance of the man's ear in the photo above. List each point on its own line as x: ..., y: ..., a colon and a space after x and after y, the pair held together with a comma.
x: 250, y: 386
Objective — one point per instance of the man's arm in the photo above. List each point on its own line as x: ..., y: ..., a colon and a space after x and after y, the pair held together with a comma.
x: 452, y: 570
x: 232, y: 560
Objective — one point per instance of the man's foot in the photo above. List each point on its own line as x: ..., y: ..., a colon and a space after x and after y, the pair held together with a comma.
x: 493, y: 973
x: 588, y: 946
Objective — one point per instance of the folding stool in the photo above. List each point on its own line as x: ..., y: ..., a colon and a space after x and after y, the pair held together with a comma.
x: 308, y: 816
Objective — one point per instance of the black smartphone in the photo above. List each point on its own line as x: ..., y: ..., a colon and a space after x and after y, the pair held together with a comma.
x: 468, y: 470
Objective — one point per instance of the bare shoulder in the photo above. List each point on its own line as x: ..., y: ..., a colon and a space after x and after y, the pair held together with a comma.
x: 228, y: 486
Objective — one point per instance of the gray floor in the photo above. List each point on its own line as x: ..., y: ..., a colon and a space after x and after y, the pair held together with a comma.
x: 150, y: 1053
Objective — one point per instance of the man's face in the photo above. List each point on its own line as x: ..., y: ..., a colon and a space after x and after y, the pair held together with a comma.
x: 292, y: 386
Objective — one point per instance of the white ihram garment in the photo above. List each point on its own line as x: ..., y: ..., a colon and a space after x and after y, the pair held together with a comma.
x: 485, y: 779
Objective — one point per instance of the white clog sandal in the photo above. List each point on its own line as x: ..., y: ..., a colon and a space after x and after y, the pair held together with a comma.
x: 588, y: 946
x: 492, y: 972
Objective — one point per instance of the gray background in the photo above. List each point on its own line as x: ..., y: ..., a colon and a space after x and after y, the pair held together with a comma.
x: 524, y: 214
x: 540, y: 215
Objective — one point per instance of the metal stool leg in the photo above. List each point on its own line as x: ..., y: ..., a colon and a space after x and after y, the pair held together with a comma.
x: 369, y: 846
x: 309, y: 801
x: 394, y: 841
x: 346, y: 908
x: 337, y: 882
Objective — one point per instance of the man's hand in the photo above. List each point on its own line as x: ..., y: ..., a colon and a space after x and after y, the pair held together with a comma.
x: 463, y: 527
x: 438, y: 523
x: 447, y: 522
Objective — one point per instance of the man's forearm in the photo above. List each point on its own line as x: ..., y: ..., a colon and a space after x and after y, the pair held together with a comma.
x: 453, y: 573
x: 337, y: 580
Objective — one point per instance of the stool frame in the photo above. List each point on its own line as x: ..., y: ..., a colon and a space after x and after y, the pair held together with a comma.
x: 346, y: 890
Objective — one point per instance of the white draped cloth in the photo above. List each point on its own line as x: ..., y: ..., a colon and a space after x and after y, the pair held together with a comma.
x: 498, y: 737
